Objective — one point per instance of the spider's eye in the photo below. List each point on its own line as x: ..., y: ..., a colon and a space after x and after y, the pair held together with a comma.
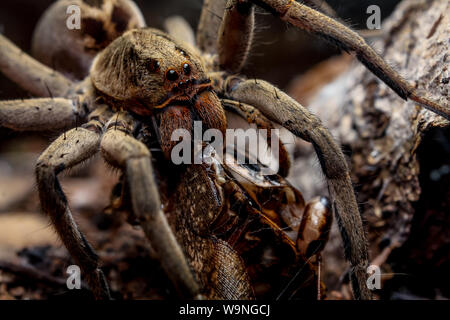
x: 186, y: 69
x: 153, y: 65
x: 171, y: 75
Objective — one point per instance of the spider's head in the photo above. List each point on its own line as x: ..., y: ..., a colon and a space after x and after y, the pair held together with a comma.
x: 146, y: 72
x: 145, y: 69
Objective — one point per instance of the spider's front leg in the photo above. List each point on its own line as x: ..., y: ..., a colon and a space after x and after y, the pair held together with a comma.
x: 70, y: 149
x: 44, y: 114
x: 122, y: 150
x: 282, y: 109
x: 322, y: 6
x: 209, y: 25
x: 346, y: 39
x: 30, y: 74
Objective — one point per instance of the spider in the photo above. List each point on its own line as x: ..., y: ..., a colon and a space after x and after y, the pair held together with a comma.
x: 147, y: 81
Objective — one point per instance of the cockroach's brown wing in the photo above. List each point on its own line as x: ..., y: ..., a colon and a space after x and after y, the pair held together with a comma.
x: 272, y: 196
x: 269, y: 216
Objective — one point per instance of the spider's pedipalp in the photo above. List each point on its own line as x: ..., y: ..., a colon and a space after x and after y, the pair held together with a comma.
x: 70, y: 149
x: 282, y: 109
x: 30, y: 74
x: 236, y: 35
x: 346, y: 39
x: 44, y: 114
x: 171, y: 119
x: 124, y: 151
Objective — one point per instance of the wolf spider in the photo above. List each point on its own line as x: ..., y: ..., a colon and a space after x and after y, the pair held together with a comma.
x: 149, y: 81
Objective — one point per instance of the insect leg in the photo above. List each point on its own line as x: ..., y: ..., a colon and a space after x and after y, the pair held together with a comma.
x: 236, y: 35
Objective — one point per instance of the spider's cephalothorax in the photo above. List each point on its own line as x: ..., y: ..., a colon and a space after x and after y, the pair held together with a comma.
x: 146, y: 74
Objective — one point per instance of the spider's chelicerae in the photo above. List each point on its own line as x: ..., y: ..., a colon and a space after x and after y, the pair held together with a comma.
x: 146, y: 80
